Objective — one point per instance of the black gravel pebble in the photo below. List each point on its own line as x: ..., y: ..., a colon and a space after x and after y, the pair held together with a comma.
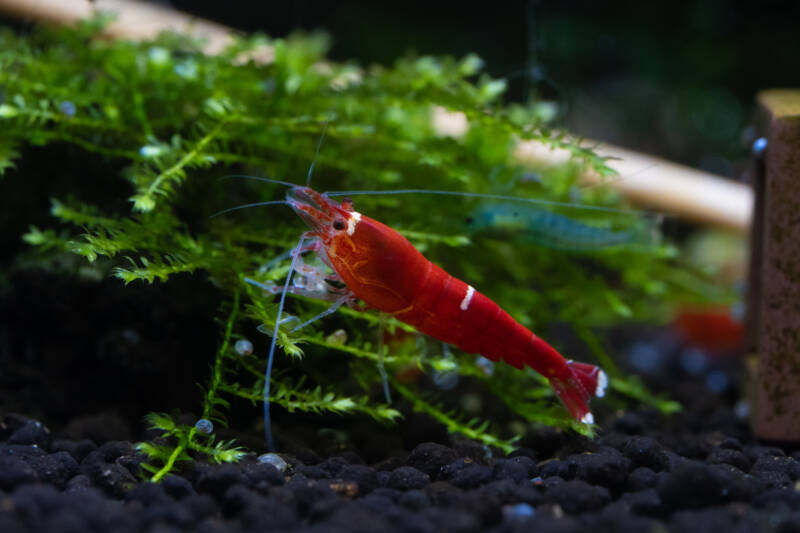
x: 562, y: 469
x: 365, y: 478
x: 31, y: 432
x: 730, y: 456
x: 642, y: 478
x: 21, y: 451
x: 517, y: 469
x: 77, y: 449
x: 485, y: 505
x: 78, y: 483
x: 443, y: 493
x: 578, y: 496
x: 414, y: 499
x: 472, y: 476
x: 408, y: 477
x: 789, y: 497
x: 177, y: 486
x: 696, y: 484
x: 756, y: 452
x: 646, y: 451
x: 15, y: 472
x: 101, y: 467
x: 261, y: 476
x: 57, y: 468
x: 693, y: 447
x: 606, y: 467
x: 9, y: 423
x: 645, y: 502
x: 771, y: 466
x: 333, y: 465
x: 216, y: 479
x: 472, y: 450
x: 430, y: 458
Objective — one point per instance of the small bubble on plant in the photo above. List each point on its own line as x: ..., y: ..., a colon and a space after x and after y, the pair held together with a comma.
x: 151, y: 150
x: 243, y: 347
x: 67, y: 108
x: 204, y: 426
x: 485, y: 364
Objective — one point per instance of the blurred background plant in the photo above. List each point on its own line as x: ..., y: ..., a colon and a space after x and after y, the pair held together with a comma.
x: 676, y: 82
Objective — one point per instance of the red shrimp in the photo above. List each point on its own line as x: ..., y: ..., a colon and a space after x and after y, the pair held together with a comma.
x: 383, y: 269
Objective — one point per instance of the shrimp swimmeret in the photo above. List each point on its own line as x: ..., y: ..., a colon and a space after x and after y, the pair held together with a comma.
x: 375, y: 264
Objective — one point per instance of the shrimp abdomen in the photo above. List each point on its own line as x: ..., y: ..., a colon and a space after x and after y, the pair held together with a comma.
x: 383, y: 268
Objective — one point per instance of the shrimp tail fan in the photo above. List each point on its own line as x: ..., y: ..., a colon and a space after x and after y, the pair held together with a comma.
x: 576, y: 385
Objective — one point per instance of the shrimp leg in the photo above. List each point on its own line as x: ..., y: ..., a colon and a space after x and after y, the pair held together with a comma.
x: 313, y: 281
x: 381, y: 368
x: 330, y: 310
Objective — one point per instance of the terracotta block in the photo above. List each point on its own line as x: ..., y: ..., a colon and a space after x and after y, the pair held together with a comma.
x: 776, y: 269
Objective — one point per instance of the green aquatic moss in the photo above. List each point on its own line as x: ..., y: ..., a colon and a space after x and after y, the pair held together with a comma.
x: 176, y: 121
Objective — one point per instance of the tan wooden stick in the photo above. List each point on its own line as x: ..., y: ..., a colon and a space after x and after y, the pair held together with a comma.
x: 662, y: 185
x: 134, y: 20
x: 648, y: 181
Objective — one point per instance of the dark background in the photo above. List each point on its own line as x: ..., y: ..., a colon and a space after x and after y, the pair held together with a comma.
x: 676, y: 79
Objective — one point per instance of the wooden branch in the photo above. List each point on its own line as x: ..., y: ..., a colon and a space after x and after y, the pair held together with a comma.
x: 662, y: 185
x: 134, y: 20
x: 648, y: 181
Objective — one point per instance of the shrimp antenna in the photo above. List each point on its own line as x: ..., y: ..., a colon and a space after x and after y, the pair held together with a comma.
x: 504, y: 197
x: 271, y: 356
x: 316, y: 153
x: 256, y: 204
x: 259, y: 178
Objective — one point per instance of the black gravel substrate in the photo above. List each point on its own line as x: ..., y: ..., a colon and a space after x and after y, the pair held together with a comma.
x: 644, y: 473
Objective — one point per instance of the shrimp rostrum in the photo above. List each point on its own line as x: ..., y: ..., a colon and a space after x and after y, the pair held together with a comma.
x: 375, y: 264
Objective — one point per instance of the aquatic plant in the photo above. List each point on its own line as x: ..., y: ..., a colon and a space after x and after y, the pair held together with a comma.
x: 175, y: 121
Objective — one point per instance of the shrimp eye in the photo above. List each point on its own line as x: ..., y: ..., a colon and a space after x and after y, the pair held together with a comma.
x: 339, y: 224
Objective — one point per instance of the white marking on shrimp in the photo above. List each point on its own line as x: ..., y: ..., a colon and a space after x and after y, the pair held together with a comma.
x: 355, y: 218
x: 602, y: 383
x: 588, y: 418
x: 467, y: 298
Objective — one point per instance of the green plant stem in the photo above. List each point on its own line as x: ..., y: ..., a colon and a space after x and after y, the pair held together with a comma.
x: 187, y: 158
x: 216, y: 372
x: 167, y: 468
